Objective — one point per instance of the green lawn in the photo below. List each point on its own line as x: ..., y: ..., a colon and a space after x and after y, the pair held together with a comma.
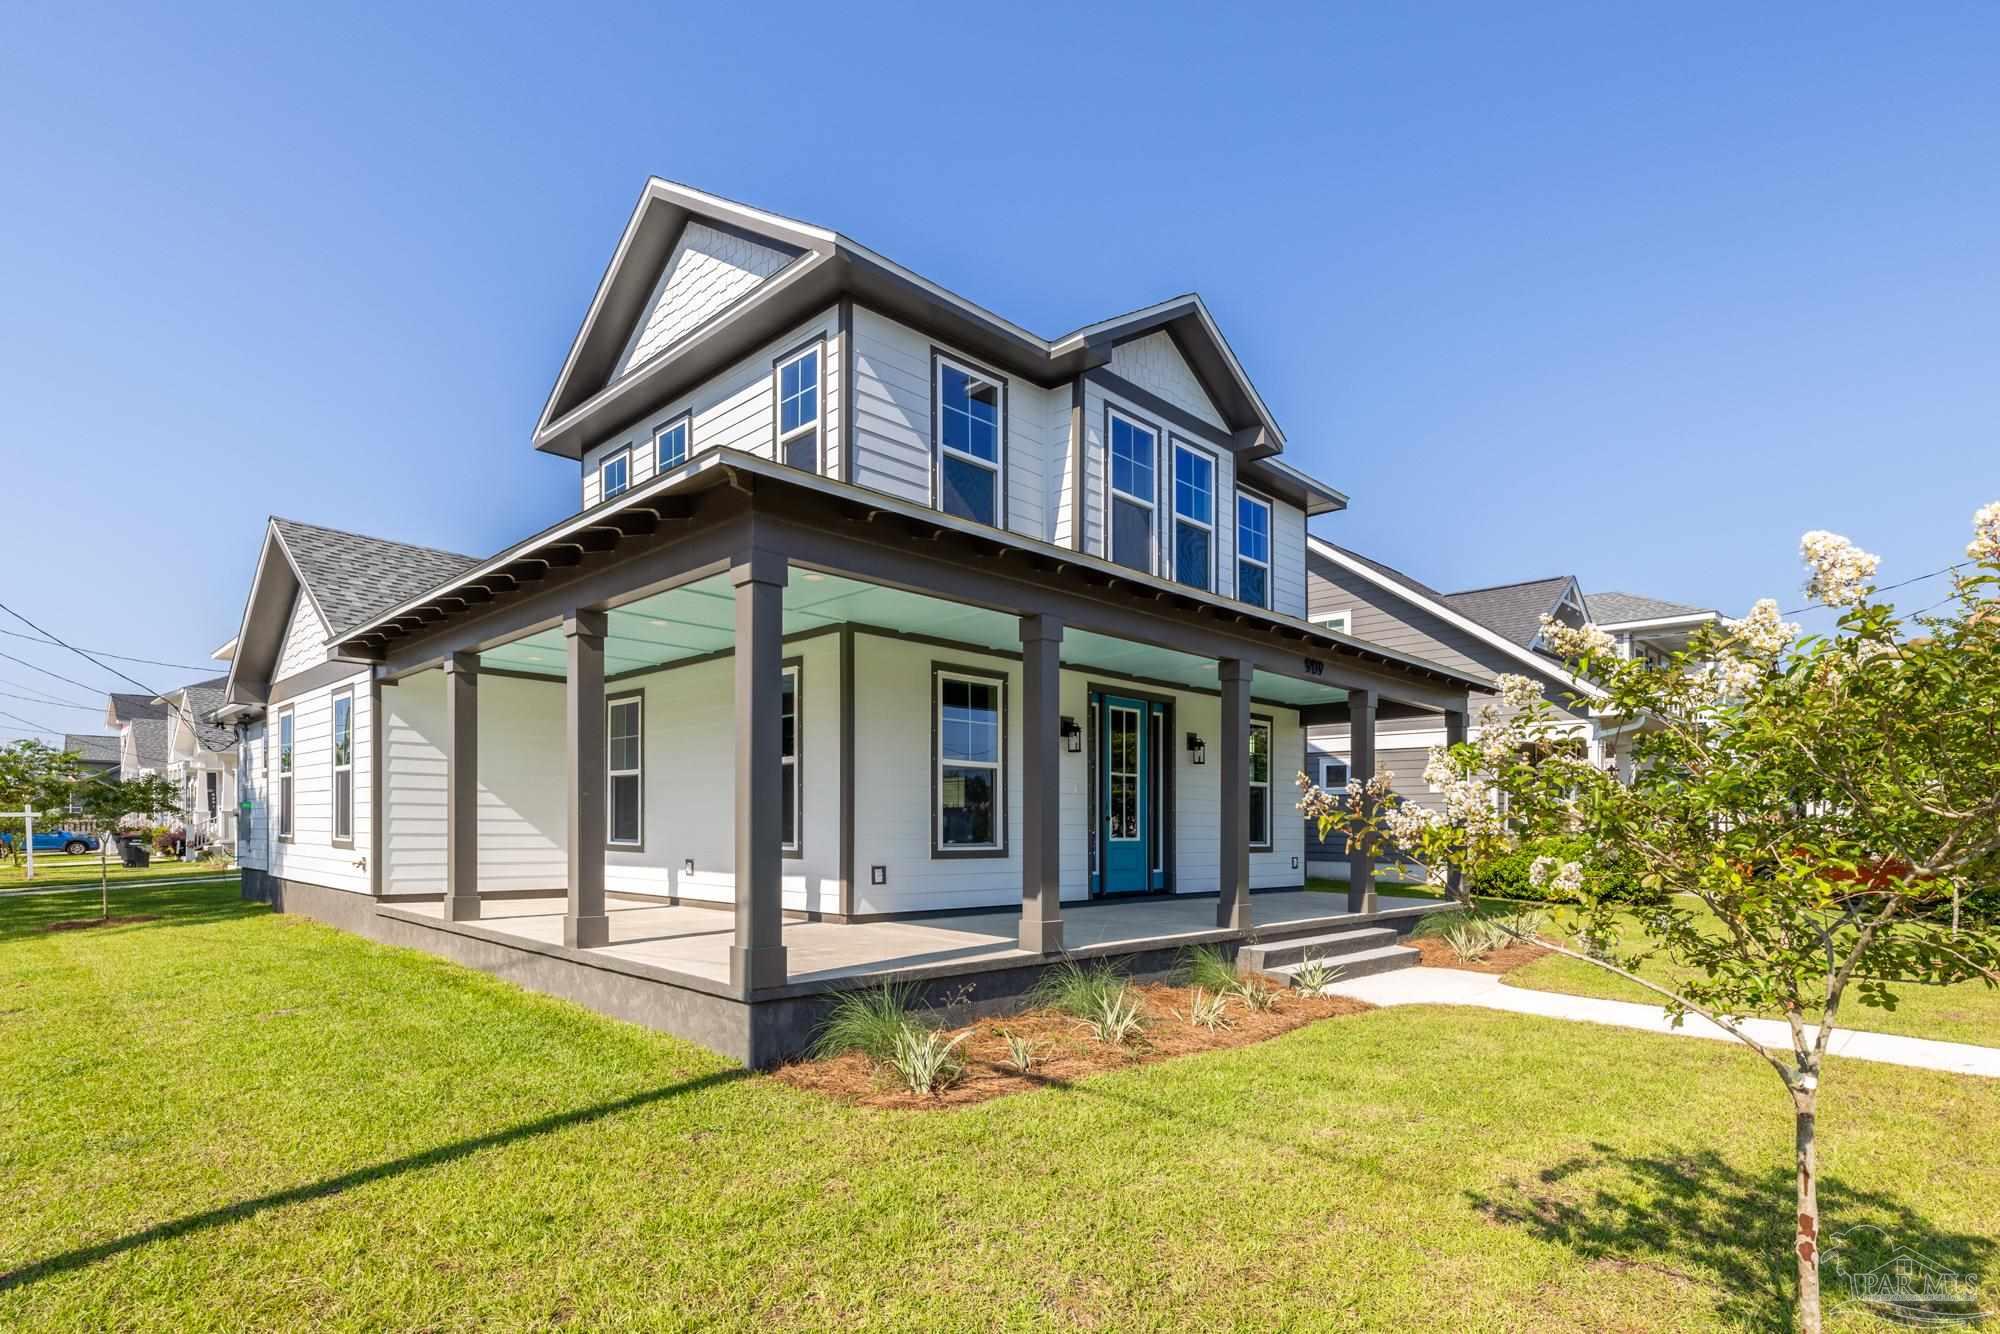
x: 56, y: 868
x: 229, y: 1118
x: 1963, y: 1012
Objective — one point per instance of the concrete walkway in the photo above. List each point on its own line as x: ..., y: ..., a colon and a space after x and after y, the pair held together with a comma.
x: 1453, y: 986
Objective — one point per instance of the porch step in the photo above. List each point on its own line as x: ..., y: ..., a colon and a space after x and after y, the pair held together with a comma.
x: 1265, y: 955
x: 1361, y: 963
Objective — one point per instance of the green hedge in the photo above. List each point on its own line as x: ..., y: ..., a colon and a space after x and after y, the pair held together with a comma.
x: 1507, y: 877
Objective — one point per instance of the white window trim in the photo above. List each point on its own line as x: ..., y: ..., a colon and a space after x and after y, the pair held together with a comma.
x: 1264, y: 844
x: 998, y: 765
x: 816, y: 348
x: 604, y: 491
x: 1173, y: 541
x: 1269, y: 537
x: 1340, y: 622
x: 685, y: 424
x: 341, y: 837
x: 637, y: 701
x: 287, y: 769
x: 999, y: 465
x: 1112, y: 494
x: 796, y: 763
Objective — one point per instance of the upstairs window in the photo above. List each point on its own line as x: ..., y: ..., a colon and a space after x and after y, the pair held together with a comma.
x: 971, y: 432
x: 343, y: 767
x: 1253, y: 550
x: 670, y: 445
x: 614, y: 474
x: 798, y: 409
x: 1129, y: 503
x: 1194, y: 517
x: 624, y: 771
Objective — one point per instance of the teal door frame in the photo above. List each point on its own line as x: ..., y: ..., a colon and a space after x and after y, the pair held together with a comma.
x: 1132, y: 792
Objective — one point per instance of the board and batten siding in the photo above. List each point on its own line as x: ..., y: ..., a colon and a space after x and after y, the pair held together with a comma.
x: 735, y: 410
x: 894, y: 448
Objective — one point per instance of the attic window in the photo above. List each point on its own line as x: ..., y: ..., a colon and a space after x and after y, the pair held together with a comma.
x: 614, y: 474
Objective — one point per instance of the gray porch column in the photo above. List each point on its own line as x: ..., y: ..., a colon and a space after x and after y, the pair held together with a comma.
x: 1454, y: 732
x: 757, y: 959
x: 1361, y: 705
x: 1041, y: 785
x: 584, y: 924
x: 461, y: 809
x: 1232, y: 906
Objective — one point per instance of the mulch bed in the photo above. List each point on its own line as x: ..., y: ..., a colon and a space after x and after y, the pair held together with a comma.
x: 1067, y: 1051
x: 1437, y: 954
x: 85, y: 923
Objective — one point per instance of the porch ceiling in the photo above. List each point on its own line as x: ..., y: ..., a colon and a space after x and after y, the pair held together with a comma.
x: 700, y: 619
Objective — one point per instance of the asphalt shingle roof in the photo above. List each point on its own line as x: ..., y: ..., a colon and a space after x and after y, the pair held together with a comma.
x: 352, y: 577
x: 130, y: 708
x: 1512, y: 610
x: 1611, y: 608
x: 92, y: 749
x: 149, y: 743
x: 204, y: 699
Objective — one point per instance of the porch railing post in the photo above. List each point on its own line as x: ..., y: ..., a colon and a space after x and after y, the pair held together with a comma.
x: 584, y: 924
x: 461, y: 838
x: 1041, y: 785
x: 1454, y: 733
x: 757, y: 958
x: 1232, y: 908
x: 1361, y: 706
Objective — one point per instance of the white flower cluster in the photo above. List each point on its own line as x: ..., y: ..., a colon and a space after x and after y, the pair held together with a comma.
x: 1842, y: 574
x: 1519, y: 692
x: 1576, y: 642
x: 1752, y: 646
x: 1985, y: 544
x: 1548, y: 873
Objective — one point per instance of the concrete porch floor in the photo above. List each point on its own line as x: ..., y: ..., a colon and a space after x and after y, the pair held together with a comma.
x: 693, y: 942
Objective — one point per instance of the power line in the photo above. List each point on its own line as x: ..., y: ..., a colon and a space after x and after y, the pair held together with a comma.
x: 23, y: 685
x: 52, y: 703
x: 180, y: 710
x: 1886, y: 588
x: 122, y: 657
x: 46, y: 672
x: 44, y: 731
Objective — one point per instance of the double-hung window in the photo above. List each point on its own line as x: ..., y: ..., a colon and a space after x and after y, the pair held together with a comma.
x: 670, y: 445
x: 624, y: 771
x: 285, y: 733
x: 798, y: 409
x: 1260, y: 784
x: 971, y: 436
x: 1194, y: 516
x: 614, y: 474
x: 343, y: 767
x: 788, y: 736
x: 970, y: 720
x: 1134, y: 450
x: 1253, y: 550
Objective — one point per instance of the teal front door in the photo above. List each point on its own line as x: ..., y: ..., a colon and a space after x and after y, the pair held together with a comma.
x: 1130, y: 809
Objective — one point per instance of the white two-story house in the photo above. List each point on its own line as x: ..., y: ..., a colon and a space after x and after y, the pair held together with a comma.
x: 878, y: 612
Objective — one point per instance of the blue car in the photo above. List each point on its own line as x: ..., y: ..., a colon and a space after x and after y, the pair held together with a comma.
x: 57, y: 840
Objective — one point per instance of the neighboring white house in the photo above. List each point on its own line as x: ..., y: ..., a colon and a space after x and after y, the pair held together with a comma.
x: 201, y: 762
x: 876, y: 605
x: 1493, y: 630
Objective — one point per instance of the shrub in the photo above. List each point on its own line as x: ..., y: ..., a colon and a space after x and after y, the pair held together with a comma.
x: 870, y: 1022
x: 1472, y: 938
x: 1022, y: 1053
x: 1606, y: 877
x: 1208, y: 1011
x: 1116, y: 1019
x: 924, y: 1060
x: 1256, y: 996
x: 1207, y: 968
x: 1314, y: 976
x: 1076, y: 990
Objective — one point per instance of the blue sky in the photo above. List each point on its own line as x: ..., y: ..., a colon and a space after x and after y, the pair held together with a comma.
x: 1636, y: 294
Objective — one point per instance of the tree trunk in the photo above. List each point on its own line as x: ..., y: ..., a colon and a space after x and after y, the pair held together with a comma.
x: 1804, y: 1102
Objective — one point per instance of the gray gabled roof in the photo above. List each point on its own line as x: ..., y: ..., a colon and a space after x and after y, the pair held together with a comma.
x: 126, y: 708
x: 92, y: 749
x: 202, y: 700
x: 149, y: 743
x: 1615, y: 608
x: 351, y: 577
x: 1512, y: 610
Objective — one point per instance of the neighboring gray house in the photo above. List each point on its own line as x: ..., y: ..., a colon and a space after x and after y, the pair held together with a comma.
x: 889, y: 640
x: 140, y: 722
x: 1489, y: 630
x: 96, y: 756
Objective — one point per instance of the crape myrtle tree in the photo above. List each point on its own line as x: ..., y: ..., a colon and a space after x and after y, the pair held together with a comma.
x: 37, y: 775
x: 1818, y: 818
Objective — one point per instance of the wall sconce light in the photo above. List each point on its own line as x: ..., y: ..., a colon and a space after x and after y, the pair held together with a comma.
x: 690, y: 867
x: 1072, y: 736
x: 1197, y: 748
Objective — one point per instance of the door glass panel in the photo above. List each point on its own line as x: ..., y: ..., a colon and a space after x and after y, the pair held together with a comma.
x: 1124, y: 775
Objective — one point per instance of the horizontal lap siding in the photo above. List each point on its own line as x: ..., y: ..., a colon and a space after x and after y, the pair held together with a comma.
x: 733, y: 410
x: 1288, y: 559
x: 310, y: 855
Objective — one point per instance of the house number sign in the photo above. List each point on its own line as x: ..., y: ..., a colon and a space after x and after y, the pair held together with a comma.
x: 1314, y: 667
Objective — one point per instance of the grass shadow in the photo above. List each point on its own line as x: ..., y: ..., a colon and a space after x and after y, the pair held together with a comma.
x: 1697, y: 1217
x: 30, y: 915
x: 84, y: 1256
